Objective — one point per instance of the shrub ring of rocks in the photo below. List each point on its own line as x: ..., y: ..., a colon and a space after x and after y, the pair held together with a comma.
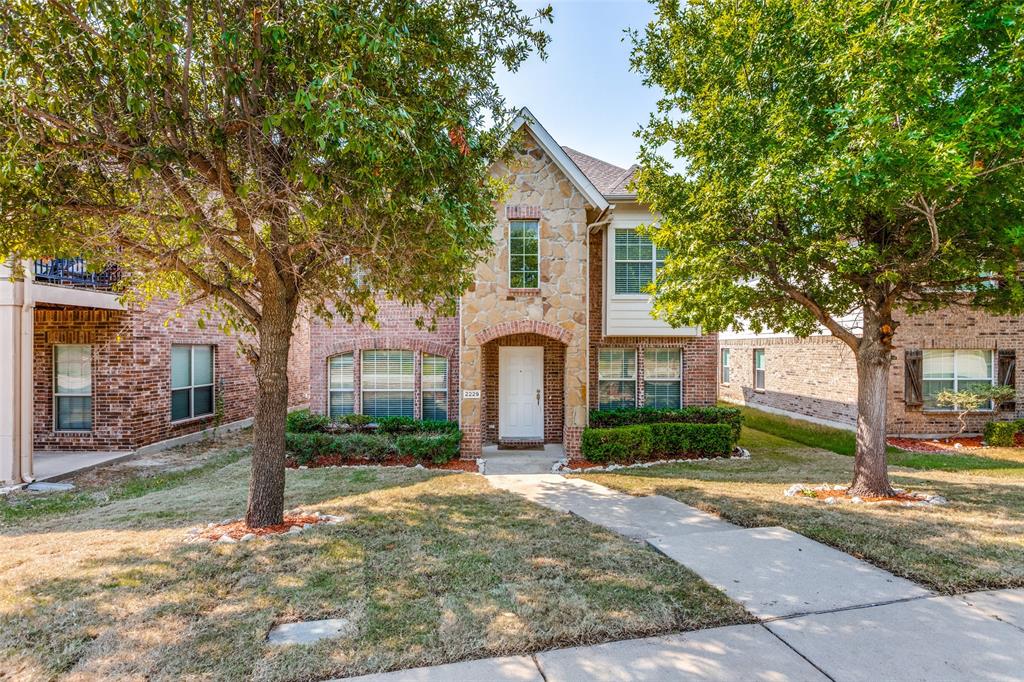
x: 232, y: 531
x: 563, y: 466
x: 836, y: 494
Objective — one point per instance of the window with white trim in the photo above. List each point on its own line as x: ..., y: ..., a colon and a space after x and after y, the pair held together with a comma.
x: 725, y: 366
x: 663, y: 378
x: 341, y: 386
x: 616, y: 378
x: 637, y: 261
x: 387, y: 378
x: 434, y: 387
x: 191, y: 382
x: 955, y: 370
x: 524, y: 254
x: 72, y: 387
x: 759, y: 369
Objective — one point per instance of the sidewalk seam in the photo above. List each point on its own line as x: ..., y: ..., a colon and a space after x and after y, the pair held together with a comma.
x: 797, y: 652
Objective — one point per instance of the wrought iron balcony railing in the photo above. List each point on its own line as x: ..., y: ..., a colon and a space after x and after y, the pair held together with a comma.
x: 73, y: 272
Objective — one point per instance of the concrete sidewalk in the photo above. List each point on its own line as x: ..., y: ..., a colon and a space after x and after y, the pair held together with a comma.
x: 824, y: 614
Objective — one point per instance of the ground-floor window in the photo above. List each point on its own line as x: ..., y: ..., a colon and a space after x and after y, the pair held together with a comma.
x: 759, y: 367
x: 341, y: 385
x: 72, y: 387
x: 663, y: 377
x: 955, y: 370
x: 388, y: 383
x: 434, y: 387
x: 616, y: 378
x: 191, y: 381
x: 725, y: 366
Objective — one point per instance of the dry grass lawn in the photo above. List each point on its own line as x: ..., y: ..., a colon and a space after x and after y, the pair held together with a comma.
x: 974, y: 542
x: 432, y: 568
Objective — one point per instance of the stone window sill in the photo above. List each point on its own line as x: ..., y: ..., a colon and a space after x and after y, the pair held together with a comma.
x: 524, y: 292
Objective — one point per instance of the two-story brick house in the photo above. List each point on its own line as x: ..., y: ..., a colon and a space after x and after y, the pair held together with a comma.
x: 82, y: 373
x: 816, y: 378
x: 556, y: 323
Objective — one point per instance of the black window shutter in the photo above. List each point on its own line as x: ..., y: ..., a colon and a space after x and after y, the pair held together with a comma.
x: 1007, y: 373
x: 913, y: 372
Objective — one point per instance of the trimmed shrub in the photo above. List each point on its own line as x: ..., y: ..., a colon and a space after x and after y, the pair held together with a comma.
x: 1002, y: 434
x: 357, y: 422
x: 622, y: 444
x: 305, y: 448
x: 410, y: 425
x: 304, y: 421
x: 425, y: 447
x: 686, y: 415
x: 706, y: 440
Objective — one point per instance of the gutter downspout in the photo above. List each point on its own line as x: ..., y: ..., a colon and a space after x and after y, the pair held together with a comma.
x: 26, y: 395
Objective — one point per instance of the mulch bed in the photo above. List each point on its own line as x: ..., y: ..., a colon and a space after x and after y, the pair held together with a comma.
x: 339, y: 461
x: 953, y: 444
x: 237, y: 529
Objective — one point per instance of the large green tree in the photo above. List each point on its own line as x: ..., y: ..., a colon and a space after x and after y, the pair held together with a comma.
x: 843, y: 158
x: 260, y: 155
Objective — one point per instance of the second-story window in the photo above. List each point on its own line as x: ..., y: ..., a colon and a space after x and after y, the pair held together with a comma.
x: 637, y: 261
x: 524, y: 254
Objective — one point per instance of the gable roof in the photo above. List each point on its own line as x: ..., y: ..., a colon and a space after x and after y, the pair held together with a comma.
x: 571, y: 170
x: 610, y: 180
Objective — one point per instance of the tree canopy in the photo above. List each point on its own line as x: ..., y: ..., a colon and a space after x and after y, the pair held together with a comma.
x: 837, y: 151
x: 338, y: 146
x: 260, y: 155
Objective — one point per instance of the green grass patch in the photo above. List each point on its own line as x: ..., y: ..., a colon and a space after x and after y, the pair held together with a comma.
x: 844, y: 442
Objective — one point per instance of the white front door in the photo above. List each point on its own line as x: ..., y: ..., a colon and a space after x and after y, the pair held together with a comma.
x: 521, y: 392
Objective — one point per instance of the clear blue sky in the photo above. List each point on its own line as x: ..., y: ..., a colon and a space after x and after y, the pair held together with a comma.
x: 585, y: 94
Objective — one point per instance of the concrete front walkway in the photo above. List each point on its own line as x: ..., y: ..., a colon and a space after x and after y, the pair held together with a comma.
x: 824, y: 614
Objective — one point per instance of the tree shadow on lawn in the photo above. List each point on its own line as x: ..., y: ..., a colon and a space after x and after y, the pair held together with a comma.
x: 427, y: 577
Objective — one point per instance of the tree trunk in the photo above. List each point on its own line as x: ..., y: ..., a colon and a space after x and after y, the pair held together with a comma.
x: 874, y: 355
x: 266, y: 482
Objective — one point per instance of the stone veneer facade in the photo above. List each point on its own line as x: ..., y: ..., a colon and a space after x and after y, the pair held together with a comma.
x: 817, y: 377
x: 556, y: 310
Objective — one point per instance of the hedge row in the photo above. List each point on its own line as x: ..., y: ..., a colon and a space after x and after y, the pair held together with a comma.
x: 653, y: 415
x: 304, y: 421
x: 643, y: 442
x: 1003, y: 434
x: 438, y: 448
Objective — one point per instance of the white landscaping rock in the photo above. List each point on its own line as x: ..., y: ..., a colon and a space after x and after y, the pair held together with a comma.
x: 247, y: 537
x: 226, y: 539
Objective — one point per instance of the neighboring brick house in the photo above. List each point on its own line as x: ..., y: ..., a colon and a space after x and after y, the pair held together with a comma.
x: 816, y: 378
x: 556, y: 322
x: 82, y: 373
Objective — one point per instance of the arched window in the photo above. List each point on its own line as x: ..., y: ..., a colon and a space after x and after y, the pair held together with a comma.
x: 341, y: 385
x: 434, y: 387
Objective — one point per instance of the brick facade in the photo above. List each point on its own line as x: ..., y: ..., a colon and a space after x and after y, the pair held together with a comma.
x: 814, y: 377
x: 817, y: 377
x: 396, y: 330
x: 554, y: 384
x: 698, y: 352
x: 131, y: 374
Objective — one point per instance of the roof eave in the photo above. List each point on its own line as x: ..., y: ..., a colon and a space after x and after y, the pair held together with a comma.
x: 561, y: 159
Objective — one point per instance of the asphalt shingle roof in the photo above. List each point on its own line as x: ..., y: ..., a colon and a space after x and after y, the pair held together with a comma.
x: 608, y: 178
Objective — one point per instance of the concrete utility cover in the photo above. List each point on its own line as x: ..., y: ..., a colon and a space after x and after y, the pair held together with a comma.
x: 775, y: 572
x: 739, y: 652
x: 507, y: 669
x: 941, y: 638
x: 309, y: 631
x: 1005, y: 605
